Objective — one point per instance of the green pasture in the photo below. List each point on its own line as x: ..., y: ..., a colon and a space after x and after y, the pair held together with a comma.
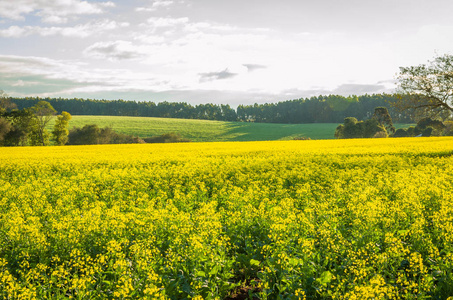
x: 206, y: 131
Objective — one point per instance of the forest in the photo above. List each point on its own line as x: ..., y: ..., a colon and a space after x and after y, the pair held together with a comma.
x: 320, y: 109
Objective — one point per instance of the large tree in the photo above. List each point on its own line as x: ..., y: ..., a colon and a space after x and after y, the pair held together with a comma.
x: 43, y: 112
x: 22, y: 123
x: 427, y: 88
x: 353, y: 129
x: 60, y: 130
x: 5, y: 106
x: 381, y: 114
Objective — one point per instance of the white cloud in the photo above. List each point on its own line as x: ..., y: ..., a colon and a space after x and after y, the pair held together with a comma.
x: 56, y: 77
x: 81, y: 30
x: 163, y: 3
x: 15, y: 9
x: 167, y: 22
x: 54, y: 19
x: 175, y: 53
x: 158, y: 4
x: 52, y: 11
x: 14, y: 31
x: 118, y: 50
x: 14, y: 64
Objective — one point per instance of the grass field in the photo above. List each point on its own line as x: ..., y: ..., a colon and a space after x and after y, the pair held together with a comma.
x: 326, y: 219
x: 207, y: 131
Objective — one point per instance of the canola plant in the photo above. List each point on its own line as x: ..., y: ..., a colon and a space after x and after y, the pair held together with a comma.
x: 342, y: 219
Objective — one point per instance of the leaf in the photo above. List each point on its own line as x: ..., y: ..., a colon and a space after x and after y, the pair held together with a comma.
x: 201, y: 274
x: 295, y: 261
x: 254, y: 262
x: 215, y: 270
x: 325, y: 278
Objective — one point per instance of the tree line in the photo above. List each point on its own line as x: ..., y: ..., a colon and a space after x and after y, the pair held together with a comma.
x: 320, y: 109
x: 27, y: 126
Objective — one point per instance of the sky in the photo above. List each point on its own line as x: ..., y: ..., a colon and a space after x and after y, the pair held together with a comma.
x: 215, y: 51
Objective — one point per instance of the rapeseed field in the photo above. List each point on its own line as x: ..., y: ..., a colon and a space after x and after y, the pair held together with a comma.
x: 340, y: 219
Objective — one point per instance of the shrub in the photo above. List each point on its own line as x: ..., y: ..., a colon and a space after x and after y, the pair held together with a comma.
x: 91, y: 135
x: 352, y: 129
x: 448, y: 131
x: 380, y: 134
x: 167, y: 138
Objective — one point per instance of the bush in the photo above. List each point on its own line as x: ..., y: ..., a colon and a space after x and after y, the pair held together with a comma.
x: 353, y: 129
x: 401, y: 133
x: 167, y: 138
x: 448, y: 131
x: 426, y: 127
x: 92, y: 135
x: 380, y: 134
x: 430, y: 127
x: 5, y: 127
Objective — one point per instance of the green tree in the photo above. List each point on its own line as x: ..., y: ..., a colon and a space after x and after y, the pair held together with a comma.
x: 5, y: 128
x: 43, y: 112
x: 91, y: 134
x: 60, y: 130
x: 427, y: 88
x: 21, y: 126
x: 5, y: 106
x: 87, y: 135
x: 382, y: 116
x: 425, y: 127
x: 353, y: 129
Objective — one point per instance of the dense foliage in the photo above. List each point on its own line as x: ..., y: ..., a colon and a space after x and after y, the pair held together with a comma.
x: 167, y: 138
x: 425, y: 127
x: 321, y: 109
x: 60, y: 131
x: 92, y: 134
x: 340, y: 219
x: 354, y: 129
x: 28, y: 126
x: 380, y: 125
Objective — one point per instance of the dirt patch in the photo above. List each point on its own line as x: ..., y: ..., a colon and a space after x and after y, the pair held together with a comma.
x: 244, y: 293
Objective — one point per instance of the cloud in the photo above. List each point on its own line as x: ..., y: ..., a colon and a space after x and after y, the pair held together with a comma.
x: 254, y: 67
x: 117, y: 50
x: 56, y: 11
x: 38, y: 76
x: 159, y: 4
x: 156, y: 5
x: 167, y: 22
x: 211, y: 76
x: 360, y: 89
x: 43, y: 77
x: 15, y: 31
x: 81, y: 31
x: 10, y: 64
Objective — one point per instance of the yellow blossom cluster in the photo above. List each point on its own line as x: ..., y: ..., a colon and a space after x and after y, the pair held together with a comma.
x: 338, y: 219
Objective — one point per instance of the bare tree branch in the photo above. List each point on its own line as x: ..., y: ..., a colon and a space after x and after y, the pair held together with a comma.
x: 427, y: 88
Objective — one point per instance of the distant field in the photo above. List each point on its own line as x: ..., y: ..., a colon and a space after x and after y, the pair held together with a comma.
x: 207, y: 131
